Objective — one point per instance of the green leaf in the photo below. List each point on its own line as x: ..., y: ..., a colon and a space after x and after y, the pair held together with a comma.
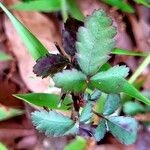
x: 64, y: 10
x: 7, y: 113
x: 34, y: 46
x: 79, y: 143
x: 123, y: 128
x: 111, y: 104
x: 44, y: 99
x: 74, y: 10
x: 86, y: 113
x: 52, y: 123
x: 112, y: 81
x: 120, y: 4
x: 119, y: 51
x: 70, y: 80
x: 95, y: 95
x: 5, y: 57
x: 133, y: 108
x: 39, y: 5
x: 143, y: 2
x: 100, y: 130
x: 95, y: 42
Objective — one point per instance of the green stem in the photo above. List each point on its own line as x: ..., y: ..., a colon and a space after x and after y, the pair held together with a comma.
x: 140, y: 69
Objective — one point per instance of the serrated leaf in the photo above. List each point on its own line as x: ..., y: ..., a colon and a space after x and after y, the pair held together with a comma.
x: 39, y: 5
x: 133, y: 108
x: 49, y: 65
x: 112, y: 81
x: 33, y: 45
x: 51, y: 123
x: 119, y: 51
x: 123, y: 128
x: 86, y: 113
x: 69, y: 35
x: 5, y: 57
x: 44, y: 99
x: 95, y: 42
x: 70, y: 80
x: 79, y: 143
x: 111, y: 104
x: 120, y: 4
x: 100, y: 131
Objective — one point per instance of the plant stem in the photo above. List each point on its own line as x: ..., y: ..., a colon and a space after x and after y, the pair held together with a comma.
x: 140, y: 69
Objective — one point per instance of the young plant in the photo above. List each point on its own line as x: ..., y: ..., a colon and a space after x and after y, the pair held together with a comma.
x: 83, y: 69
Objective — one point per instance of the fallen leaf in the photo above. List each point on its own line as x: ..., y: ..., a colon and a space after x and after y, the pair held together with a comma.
x: 45, y: 30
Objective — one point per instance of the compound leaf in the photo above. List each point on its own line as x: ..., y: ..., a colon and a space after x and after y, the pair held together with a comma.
x: 70, y: 80
x: 123, y: 128
x: 100, y: 131
x: 52, y: 123
x: 95, y: 42
x: 111, y: 104
x: 34, y: 46
x: 112, y: 81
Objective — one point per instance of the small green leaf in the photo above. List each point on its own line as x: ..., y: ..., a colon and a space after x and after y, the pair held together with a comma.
x: 5, y: 57
x: 39, y: 5
x: 34, y: 46
x: 95, y: 42
x: 120, y: 4
x: 70, y: 80
x: 112, y: 81
x: 100, y: 130
x: 123, y: 128
x: 133, y: 108
x: 44, y: 99
x: 86, y: 113
x: 119, y: 51
x: 109, y: 81
x: 52, y: 123
x: 111, y: 104
x: 79, y: 143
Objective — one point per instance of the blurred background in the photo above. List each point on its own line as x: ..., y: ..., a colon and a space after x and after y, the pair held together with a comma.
x: 132, y: 19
